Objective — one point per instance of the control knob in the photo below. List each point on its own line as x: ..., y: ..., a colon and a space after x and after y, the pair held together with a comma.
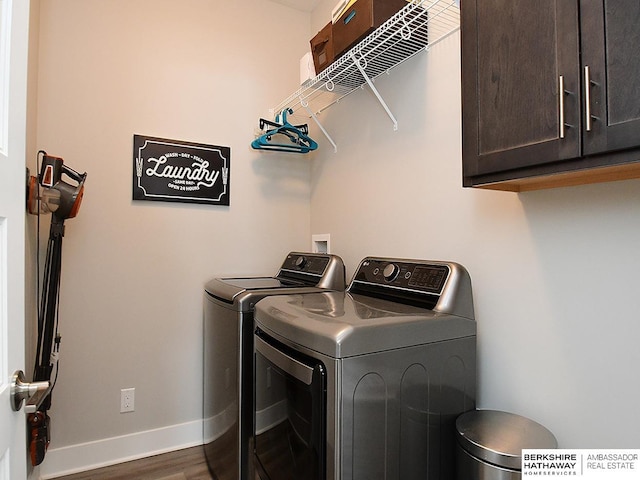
x: 390, y: 272
x: 301, y: 262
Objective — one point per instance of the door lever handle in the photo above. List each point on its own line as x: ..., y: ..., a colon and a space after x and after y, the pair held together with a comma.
x: 22, y: 390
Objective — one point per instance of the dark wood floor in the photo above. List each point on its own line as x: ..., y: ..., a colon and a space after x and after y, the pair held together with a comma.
x: 190, y: 462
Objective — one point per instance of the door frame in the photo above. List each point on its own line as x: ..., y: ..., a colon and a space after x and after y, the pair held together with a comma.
x: 14, y: 43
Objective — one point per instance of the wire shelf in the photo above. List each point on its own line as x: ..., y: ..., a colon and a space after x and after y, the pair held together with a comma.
x: 416, y: 27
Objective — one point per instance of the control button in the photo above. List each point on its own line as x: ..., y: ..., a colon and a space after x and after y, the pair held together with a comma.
x: 301, y: 262
x: 407, y: 275
x: 390, y: 272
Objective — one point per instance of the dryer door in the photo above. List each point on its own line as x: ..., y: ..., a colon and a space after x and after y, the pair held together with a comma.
x: 290, y: 412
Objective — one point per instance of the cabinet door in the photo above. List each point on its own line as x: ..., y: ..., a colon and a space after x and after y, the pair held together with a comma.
x: 611, y: 74
x: 515, y: 54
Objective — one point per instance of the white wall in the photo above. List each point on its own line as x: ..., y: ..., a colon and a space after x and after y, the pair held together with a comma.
x: 554, y: 272
x: 133, y: 272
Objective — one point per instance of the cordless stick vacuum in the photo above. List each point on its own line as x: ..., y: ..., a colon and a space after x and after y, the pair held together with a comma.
x: 62, y: 200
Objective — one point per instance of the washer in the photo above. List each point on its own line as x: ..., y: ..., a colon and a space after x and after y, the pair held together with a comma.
x: 366, y: 384
x: 228, y: 351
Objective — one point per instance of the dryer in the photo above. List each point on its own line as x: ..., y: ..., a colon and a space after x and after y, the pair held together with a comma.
x: 228, y: 353
x: 366, y: 384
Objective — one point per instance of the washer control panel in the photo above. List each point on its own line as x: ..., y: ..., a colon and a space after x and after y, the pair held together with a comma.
x: 321, y: 270
x: 306, y: 262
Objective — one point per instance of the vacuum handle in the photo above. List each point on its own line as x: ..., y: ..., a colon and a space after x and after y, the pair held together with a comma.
x: 52, y: 170
x: 71, y: 173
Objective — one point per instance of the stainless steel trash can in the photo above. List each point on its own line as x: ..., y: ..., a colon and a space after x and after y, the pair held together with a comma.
x: 490, y: 443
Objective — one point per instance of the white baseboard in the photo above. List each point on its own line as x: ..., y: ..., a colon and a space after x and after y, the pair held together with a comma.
x: 110, y: 451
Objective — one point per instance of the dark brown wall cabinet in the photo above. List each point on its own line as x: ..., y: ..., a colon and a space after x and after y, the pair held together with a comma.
x: 550, y: 92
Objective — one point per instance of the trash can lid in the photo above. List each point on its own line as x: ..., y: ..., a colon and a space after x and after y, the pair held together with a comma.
x: 499, y: 437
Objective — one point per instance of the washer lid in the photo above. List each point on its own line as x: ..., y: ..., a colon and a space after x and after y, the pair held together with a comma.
x: 499, y: 437
x: 340, y: 324
x: 299, y: 270
x: 228, y: 289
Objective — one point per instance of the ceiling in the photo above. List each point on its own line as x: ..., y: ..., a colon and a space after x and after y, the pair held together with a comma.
x: 304, y: 5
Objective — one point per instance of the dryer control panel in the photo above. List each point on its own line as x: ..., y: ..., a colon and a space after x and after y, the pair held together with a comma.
x: 442, y: 286
x: 428, y: 278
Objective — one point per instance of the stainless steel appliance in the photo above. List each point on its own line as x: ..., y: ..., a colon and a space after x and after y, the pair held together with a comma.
x: 490, y: 444
x: 366, y: 384
x: 228, y: 353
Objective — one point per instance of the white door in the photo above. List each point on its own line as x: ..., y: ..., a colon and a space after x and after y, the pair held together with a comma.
x: 14, y: 27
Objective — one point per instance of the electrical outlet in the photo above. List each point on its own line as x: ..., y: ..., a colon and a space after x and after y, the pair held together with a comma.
x: 127, y: 399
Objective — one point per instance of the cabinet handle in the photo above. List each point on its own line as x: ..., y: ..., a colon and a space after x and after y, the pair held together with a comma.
x: 561, y: 103
x: 587, y: 98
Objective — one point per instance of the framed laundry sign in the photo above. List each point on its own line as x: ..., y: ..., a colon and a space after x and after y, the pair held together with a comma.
x: 177, y: 171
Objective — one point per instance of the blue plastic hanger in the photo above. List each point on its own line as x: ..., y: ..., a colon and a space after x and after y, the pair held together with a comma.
x: 275, y: 139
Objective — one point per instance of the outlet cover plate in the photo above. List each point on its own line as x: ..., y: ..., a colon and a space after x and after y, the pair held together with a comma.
x: 127, y: 400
